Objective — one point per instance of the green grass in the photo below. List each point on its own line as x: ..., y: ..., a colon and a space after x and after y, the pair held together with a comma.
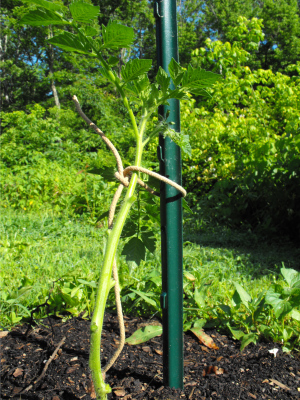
x: 51, y: 258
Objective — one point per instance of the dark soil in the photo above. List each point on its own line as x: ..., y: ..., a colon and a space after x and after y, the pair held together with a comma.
x: 209, y: 374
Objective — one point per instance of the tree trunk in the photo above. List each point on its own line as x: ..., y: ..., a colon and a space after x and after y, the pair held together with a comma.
x: 51, y: 61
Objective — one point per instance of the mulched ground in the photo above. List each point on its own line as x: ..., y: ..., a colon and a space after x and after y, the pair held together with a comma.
x: 209, y: 374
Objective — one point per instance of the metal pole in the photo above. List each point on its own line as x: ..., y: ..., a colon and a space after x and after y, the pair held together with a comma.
x: 171, y: 208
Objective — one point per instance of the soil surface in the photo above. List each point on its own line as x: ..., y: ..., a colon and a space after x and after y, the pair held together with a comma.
x: 209, y: 374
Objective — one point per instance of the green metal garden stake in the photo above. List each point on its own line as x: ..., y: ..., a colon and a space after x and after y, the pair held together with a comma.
x: 171, y: 208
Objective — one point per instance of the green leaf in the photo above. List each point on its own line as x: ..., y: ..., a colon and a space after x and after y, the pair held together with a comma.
x: 113, y: 61
x: 235, y: 333
x: 226, y: 309
x: 199, y: 323
x: 46, y: 4
x: 176, y: 72
x: 43, y: 18
x: 149, y: 241
x: 183, y: 141
x: 178, y: 94
x: 295, y: 315
x: 116, y: 36
x: 281, y: 307
x: 291, y: 276
x: 245, y: 297
x: 186, y: 206
x: 247, y: 339
x: 134, y: 68
x: 163, y: 79
x: 199, y: 298
x: 70, y: 42
x: 195, y: 79
x: 108, y: 173
x: 145, y: 297
x: 134, y: 250
x: 143, y: 334
x: 83, y: 12
x: 103, y: 215
x: 129, y: 229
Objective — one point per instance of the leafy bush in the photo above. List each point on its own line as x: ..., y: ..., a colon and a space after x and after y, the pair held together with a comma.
x: 245, y: 161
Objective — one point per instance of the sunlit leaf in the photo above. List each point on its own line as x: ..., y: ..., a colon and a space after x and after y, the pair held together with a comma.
x: 143, y: 334
x: 163, y: 79
x: 43, y: 18
x: 244, y: 296
x: 295, y: 314
x: 291, y: 276
x: 49, y: 5
x: 70, y: 42
x: 83, y: 12
x: 134, y: 68
x: 176, y: 72
x: 116, y: 36
x: 183, y: 141
x: 146, y: 298
x: 247, y: 339
x: 195, y: 79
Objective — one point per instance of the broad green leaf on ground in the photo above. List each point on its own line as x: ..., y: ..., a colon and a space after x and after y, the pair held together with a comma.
x: 149, y: 241
x: 134, y: 250
x: 247, y: 339
x: 195, y: 79
x: 199, y: 323
x: 163, y: 79
x: 83, y: 12
x: 199, y: 298
x: 295, y: 315
x: 49, y: 5
x: 70, y: 42
x: 146, y: 298
x: 176, y: 72
x: 244, y: 296
x: 43, y: 18
x: 134, y: 68
x: 204, y: 338
x: 291, y: 276
x: 143, y: 334
x: 226, y: 309
x: 237, y: 334
x: 281, y: 306
x: 116, y: 36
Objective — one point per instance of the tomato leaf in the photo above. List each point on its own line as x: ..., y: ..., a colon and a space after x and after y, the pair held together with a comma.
x: 43, y: 18
x: 83, y: 12
x: 70, y: 42
x: 116, y: 36
x: 134, y: 250
x: 134, y: 68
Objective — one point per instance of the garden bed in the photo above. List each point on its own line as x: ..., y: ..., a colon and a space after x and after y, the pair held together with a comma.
x: 225, y: 373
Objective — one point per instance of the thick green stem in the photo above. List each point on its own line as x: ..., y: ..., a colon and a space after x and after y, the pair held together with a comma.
x: 101, y: 388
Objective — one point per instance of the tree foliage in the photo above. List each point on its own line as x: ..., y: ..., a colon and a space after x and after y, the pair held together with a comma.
x: 246, y: 140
